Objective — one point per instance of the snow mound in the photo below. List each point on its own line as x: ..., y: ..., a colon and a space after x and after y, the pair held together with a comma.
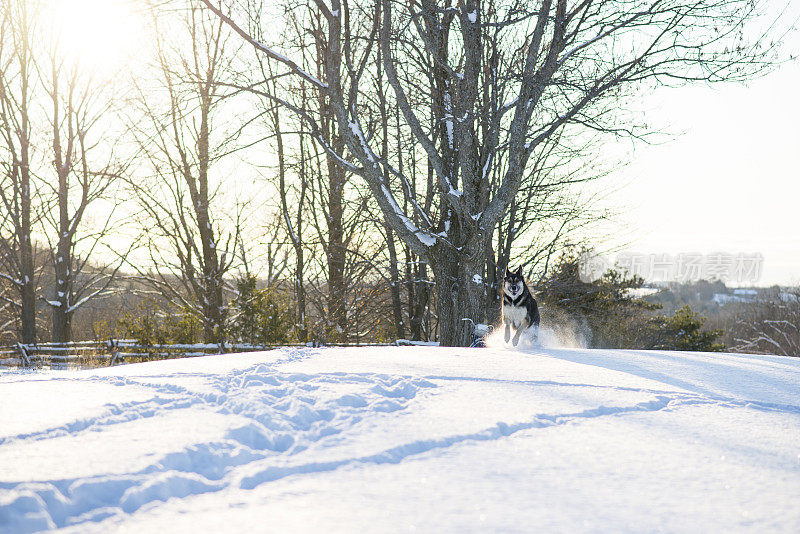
x: 388, y: 439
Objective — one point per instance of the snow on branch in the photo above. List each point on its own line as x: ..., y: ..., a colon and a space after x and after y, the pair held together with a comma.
x: 18, y: 283
x: 266, y: 49
x: 425, y: 238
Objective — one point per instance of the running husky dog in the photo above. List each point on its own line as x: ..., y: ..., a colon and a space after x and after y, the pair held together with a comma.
x: 519, y: 307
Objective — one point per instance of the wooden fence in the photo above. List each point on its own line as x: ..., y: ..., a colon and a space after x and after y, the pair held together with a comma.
x: 103, y: 353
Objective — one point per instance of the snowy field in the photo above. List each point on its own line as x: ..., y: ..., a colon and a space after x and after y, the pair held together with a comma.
x: 406, y: 439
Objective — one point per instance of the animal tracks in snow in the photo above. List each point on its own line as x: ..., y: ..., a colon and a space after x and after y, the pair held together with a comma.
x: 255, y: 416
x: 191, y: 433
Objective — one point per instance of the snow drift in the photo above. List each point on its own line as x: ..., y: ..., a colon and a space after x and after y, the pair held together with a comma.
x: 386, y: 439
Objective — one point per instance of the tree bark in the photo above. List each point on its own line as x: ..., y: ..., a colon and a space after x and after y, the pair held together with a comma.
x: 27, y: 267
x: 394, y: 285
x: 459, y: 289
x: 419, y: 306
x: 336, y: 248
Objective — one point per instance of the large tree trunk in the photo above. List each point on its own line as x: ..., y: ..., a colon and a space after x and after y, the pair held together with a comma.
x: 423, y: 293
x: 418, y: 296
x: 213, y: 311
x: 212, y: 304
x: 62, y: 315
x: 28, y: 290
x: 337, y: 250
x: 459, y: 286
x: 336, y: 247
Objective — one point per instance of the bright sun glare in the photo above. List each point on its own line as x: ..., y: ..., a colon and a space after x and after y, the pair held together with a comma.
x: 101, y: 35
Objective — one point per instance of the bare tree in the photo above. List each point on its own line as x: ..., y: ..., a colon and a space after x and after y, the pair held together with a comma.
x: 17, y: 84
x: 9, y: 316
x: 394, y: 273
x: 183, y: 137
x: 293, y: 194
x: 325, y: 201
x: 294, y: 216
x: 58, y: 167
x: 81, y: 130
x: 334, y: 226
x: 561, y: 63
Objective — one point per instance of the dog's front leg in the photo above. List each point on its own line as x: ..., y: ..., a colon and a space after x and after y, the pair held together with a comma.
x: 517, y: 334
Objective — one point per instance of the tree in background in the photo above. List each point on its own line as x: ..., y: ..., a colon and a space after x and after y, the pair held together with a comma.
x: 81, y: 128
x: 609, y: 315
x: 294, y: 196
x: 683, y: 331
x: 57, y: 167
x: 183, y: 138
x: 18, y: 80
x: 157, y: 322
x: 262, y: 317
x: 326, y: 217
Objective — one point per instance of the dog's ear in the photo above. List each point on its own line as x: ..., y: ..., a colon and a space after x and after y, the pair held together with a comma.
x: 508, y: 272
x: 519, y: 271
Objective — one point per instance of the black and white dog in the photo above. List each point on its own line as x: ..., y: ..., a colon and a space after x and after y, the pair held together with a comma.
x: 519, y: 307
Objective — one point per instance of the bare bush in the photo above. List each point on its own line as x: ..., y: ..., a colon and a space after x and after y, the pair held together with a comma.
x: 770, y: 325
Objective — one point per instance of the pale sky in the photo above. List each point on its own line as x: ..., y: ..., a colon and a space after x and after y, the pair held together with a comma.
x: 728, y: 182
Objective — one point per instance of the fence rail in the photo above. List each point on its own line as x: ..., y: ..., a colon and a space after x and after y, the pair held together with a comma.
x: 111, y: 352
x: 114, y: 351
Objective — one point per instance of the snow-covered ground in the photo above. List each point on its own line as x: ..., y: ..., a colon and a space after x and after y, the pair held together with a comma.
x: 406, y: 439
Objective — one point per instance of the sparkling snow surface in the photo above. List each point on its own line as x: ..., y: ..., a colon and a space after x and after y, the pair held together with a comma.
x: 405, y: 439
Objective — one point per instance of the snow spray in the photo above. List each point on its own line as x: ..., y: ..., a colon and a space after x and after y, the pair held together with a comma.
x: 555, y: 331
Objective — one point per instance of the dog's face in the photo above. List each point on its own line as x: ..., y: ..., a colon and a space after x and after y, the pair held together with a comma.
x: 513, y: 282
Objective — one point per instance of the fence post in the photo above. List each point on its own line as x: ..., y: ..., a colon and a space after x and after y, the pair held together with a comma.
x: 23, y: 355
x: 113, y: 347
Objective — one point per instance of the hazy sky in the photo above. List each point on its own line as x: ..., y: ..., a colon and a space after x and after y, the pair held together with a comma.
x: 730, y: 182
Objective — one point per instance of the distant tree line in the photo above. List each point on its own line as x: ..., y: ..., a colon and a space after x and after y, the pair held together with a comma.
x: 763, y: 320
x: 608, y: 313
